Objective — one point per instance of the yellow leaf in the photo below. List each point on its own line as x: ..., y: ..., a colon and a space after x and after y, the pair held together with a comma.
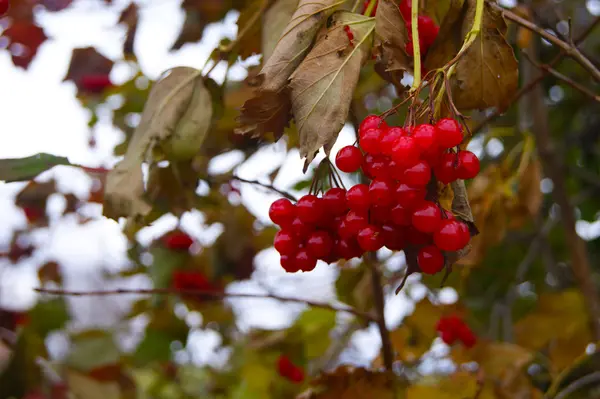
x: 84, y: 387
x: 460, y: 385
x: 445, y: 195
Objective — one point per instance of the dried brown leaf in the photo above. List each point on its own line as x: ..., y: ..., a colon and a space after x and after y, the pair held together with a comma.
x: 130, y: 17
x: 250, y: 42
x: 175, y: 119
x: 391, y: 37
x: 323, y: 85
x: 87, y: 61
x: 449, y: 39
x: 352, y: 383
x: 487, y: 73
x: 274, y: 22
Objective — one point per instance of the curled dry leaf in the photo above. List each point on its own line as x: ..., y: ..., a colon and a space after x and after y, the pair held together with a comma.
x: 490, y: 55
x: 274, y: 23
x: 391, y: 37
x: 175, y: 120
x: 323, y: 85
x: 269, y: 110
x: 352, y: 383
x: 462, y: 209
x: 449, y: 39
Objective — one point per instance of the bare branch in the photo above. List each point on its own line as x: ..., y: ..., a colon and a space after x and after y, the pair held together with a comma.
x: 267, y: 186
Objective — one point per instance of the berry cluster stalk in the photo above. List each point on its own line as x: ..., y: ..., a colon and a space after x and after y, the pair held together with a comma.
x: 414, y: 17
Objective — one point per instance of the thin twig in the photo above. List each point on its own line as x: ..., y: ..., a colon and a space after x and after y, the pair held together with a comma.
x: 214, y: 295
x: 570, y: 50
x: 578, y: 384
x: 267, y: 186
x: 564, y: 78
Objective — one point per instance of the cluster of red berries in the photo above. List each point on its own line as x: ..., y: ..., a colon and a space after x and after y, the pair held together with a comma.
x: 428, y: 30
x: 453, y: 328
x: 177, y: 240
x: 191, y: 280
x: 95, y: 84
x: 391, y: 211
x: 289, y: 370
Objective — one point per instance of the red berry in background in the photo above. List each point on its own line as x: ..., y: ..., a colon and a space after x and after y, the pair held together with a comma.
x: 448, y: 336
x: 417, y: 175
x: 284, y: 365
x: 369, y: 141
x: 370, y: 238
x: 188, y: 280
x: 305, y: 261
x: 355, y: 221
x: 288, y: 262
x: 424, y: 136
x: 446, y: 171
x: 95, y: 83
x: 428, y: 30
x: 468, y: 165
x: 406, y: 152
x: 393, y: 237
x: 449, y: 236
x: 349, y: 159
x: 449, y: 133
x: 301, y: 229
x: 376, y: 166
x: 4, y: 6
x: 405, y: 7
x: 282, y: 212
x: 334, y: 201
x: 400, y: 215
x: 285, y: 242
x: 347, y: 248
x: 33, y: 214
x: 310, y: 209
x: 177, y: 241
x: 381, y: 192
x: 409, y: 197
x: 430, y: 259
x: 296, y: 375
x: 466, y: 336
x: 370, y: 122
x: 426, y: 217
x: 357, y: 197
x: 319, y: 244
x: 389, y: 138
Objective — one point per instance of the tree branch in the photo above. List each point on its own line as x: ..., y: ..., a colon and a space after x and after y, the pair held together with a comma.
x: 569, y: 50
x: 267, y: 186
x: 578, y: 384
x: 553, y: 169
x: 214, y: 295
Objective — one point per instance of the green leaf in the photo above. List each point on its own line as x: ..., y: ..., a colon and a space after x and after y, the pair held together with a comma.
x: 48, y: 316
x: 23, y: 169
x: 315, y: 325
x: 92, y: 349
x: 22, y: 372
x: 155, y: 347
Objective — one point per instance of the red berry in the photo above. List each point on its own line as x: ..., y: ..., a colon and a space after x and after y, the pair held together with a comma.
x: 370, y: 238
x: 395, y: 171
x: 349, y: 159
x: 468, y: 165
x: 95, y: 83
x: 389, y: 138
x: 393, y: 237
x: 305, y: 261
x: 381, y: 192
x: 343, y: 229
x: 406, y: 152
x: 464, y: 233
x: 379, y: 214
x: 355, y: 221
x: 427, y: 217
x: 446, y: 171
x: 400, y: 216
x: 448, y: 336
x: 376, y: 166
x: 405, y: 7
x: 334, y: 201
x: 466, y: 336
x: 449, y: 133
x: 417, y: 175
x: 282, y: 212
x: 369, y: 141
x: 370, y: 122
x: 428, y: 30
x: 430, y: 259
x: 285, y: 242
x: 296, y: 375
x: 408, y: 197
x: 301, y: 229
x: 4, y: 6
x: 449, y: 236
x: 347, y: 248
x: 417, y: 238
x: 358, y: 197
x: 284, y: 365
x: 319, y: 244
x: 288, y: 262
x: 424, y: 136
x: 310, y: 209
x: 177, y: 241
x: 433, y: 156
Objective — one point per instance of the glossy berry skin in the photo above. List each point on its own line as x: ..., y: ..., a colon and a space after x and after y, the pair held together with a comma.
x: 389, y: 138
x: 310, y: 209
x: 376, y: 166
x: 406, y: 152
x: 430, y: 259
x: 426, y: 217
x: 449, y: 133
x: 349, y: 159
x: 464, y: 233
x: 400, y: 216
x: 355, y: 221
x: 289, y: 370
x: 370, y: 238
x: 466, y: 336
x: 379, y: 214
x: 301, y: 229
x: 424, y: 136
x: 446, y: 171
x: 405, y: 7
x: 177, y: 241
x: 347, y: 248
x: 282, y: 212
x: 369, y: 141
x: 409, y: 197
x: 357, y: 197
x: 370, y: 122
x: 94, y: 83
x: 449, y: 236
x: 305, y: 261
x: 417, y: 175
x: 4, y: 6
x: 381, y: 192
x: 286, y: 242
x: 288, y: 262
x: 334, y: 201
x: 468, y: 165
x: 393, y: 237
x: 319, y: 244
x: 296, y: 375
x: 428, y: 30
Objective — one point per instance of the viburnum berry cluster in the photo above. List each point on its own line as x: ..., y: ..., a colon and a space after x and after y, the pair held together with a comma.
x: 289, y: 370
x: 453, y: 328
x: 396, y: 209
x: 428, y: 30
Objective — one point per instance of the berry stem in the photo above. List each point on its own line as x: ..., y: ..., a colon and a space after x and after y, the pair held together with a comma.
x: 370, y: 8
x: 267, y: 186
x: 414, y: 18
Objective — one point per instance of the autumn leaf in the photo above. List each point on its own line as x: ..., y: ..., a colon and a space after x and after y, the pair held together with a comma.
x: 323, y: 84
x: 449, y: 39
x: 250, y: 42
x: 24, y: 39
x: 198, y: 14
x: 391, y: 37
x: 129, y: 17
x: 352, y: 383
x: 492, y: 58
x: 87, y: 61
x: 459, y: 385
x: 269, y: 110
x: 274, y: 23
x: 175, y: 120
